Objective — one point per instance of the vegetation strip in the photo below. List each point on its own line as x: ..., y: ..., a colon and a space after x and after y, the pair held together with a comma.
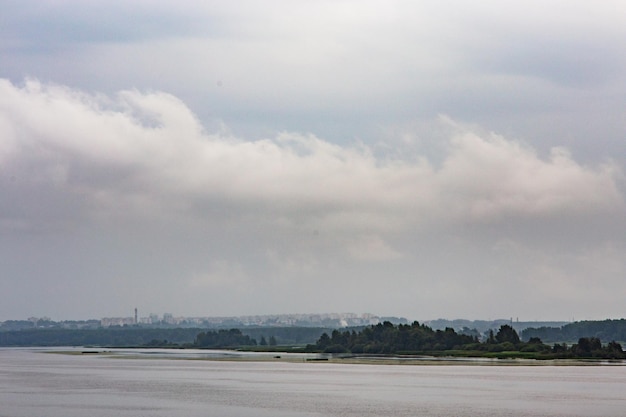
x: 416, y: 339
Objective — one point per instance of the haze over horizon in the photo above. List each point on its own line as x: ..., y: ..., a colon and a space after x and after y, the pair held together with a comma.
x: 420, y: 160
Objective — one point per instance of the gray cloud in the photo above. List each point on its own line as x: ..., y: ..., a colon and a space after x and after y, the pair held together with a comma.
x: 314, y: 155
x: 154, y: 151
x: 138, y: 168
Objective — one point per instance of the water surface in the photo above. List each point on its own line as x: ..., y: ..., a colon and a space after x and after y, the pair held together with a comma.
x: 34, y: 383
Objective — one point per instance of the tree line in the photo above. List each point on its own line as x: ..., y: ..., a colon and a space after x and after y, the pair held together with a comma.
x: 135, y: 336
x: 605, y: 330
x: 223, y: 339
x: 416, y: 338
x: 385, y: 338
x: 104, y: 336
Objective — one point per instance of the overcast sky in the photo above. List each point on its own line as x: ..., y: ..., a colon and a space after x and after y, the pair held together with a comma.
x: 421, y: 159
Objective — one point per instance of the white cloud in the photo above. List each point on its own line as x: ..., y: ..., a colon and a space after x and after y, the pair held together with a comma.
x: 493, y: 177
x: 148, y: 153
x: 135, y: 176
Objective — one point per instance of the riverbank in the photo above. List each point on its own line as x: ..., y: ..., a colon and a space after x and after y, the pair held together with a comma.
x: 278, y: 356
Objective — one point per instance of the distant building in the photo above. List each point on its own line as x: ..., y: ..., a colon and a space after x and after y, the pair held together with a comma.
x: 117, y: 321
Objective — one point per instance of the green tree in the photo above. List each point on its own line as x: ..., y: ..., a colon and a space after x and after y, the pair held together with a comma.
x: 223, y: 338
x: 614, y: 347
x: 507, y: 334
x: 586, y: 346
x: 323, y: 342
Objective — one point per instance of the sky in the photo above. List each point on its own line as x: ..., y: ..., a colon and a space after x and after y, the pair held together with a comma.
x: 210, y: 158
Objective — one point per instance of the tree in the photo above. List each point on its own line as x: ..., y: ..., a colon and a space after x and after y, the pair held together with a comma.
x: 324, y: 341
x: 272, y: 341
x: 223, y: 338
x: 587, y: 345
x: 507, y: 334
x: 263, y: 341
x: 614, y: 347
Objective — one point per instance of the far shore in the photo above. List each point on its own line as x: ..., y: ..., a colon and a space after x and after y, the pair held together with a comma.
x: 277, y: 356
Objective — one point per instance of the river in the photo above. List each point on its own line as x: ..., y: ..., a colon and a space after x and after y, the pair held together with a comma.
x: 35, y: 383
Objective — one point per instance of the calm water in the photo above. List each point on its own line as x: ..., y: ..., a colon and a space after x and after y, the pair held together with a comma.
x: 34, y: 383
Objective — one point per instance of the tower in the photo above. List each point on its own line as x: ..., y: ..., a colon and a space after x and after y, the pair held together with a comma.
x: 135, y: 315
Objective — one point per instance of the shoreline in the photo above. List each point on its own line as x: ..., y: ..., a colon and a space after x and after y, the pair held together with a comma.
x: 274, y: 356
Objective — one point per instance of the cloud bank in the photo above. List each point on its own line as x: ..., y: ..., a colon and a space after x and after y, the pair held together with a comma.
x: 139, y: 168
x: 118, y: 153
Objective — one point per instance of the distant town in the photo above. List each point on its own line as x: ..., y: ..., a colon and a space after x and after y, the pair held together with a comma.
x: 326, y: 320
x: 330, y: 320
x: 279, y: 320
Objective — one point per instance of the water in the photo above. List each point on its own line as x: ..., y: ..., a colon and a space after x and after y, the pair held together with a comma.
x: 171, y: 383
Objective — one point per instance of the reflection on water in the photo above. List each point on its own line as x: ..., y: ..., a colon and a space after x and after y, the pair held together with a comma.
x: 175, y: 383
